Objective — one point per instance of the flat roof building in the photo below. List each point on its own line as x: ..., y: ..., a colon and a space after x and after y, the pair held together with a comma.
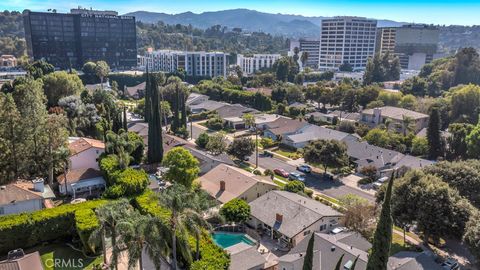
x: 346, y: 40
x: 256, y: 62
x: 70, y: 39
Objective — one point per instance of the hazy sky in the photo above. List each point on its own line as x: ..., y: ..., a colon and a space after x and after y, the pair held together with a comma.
x: 465, y: 12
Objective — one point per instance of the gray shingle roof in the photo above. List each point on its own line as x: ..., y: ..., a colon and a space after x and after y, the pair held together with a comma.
x: 313, y: 132
x: 408, y: 260
x: 298, y: 212
x: 233, y: 110
x: 285, y: 125
x: 245, y: 257
x: 396, y: 113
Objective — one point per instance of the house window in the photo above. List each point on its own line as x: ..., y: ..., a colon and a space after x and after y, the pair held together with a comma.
x: 306, y: 232
x: 323, y: 227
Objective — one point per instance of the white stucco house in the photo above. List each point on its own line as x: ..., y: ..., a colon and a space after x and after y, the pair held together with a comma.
x: 84, y: 153
x: 25, y: 196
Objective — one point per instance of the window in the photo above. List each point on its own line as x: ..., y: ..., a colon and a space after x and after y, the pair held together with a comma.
x: 323, y: 227
x: 306, y: 232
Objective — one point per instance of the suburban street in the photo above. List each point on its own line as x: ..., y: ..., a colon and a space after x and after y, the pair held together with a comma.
x: 332, y: 188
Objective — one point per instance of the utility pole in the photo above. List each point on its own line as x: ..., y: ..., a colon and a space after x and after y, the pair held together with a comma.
x: 191, y: 127
x: 256, y: 146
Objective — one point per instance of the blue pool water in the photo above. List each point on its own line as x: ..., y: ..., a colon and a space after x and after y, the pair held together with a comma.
x: 226, y: 240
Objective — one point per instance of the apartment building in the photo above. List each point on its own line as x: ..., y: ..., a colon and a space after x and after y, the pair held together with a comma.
x: 199, y: 64
x: 346, y: 39
x: 311, y: 47
x: 70, y: 39
x: 414, y: 44
x: 256, y: 62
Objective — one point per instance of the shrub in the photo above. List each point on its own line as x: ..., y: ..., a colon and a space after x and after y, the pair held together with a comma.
x: 236, y: 210
x: 215, y: 123
x: 294, y: 186
x: 308, y: 192
x: 86, y: 222
x: 108, y: 165
x: 202, y: 140
x: 127, y: 183
x: 212, y: 257
x: 365, y: 181
x: 257, y: 172
x: 267, y: 142
x: 30, y: 229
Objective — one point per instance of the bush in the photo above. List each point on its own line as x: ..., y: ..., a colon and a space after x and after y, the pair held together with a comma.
x: 257, y: 172
x: 308, y: 192
x: 86, y: 222
x: 236, y: 210
x: 215, y: 123
x: 108, y: 165
x: 365, y: 181
x: 128, y: 182
x: 30, y: 229
x: 267, y: 142
x: 202, y: 140
x: 212, y: 257
x: 294, y: 186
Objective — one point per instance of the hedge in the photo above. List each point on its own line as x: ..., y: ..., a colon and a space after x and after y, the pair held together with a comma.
x: 86, y: 222
x: 128, y: 182
x: 212, y: 257
x: 30, y: 229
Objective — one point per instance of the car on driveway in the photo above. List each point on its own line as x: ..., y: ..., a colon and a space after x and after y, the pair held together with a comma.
x: 304, y: 168
x: 450, y: 264
x: 296, y: 176
x: 281, y: 172
x: 377, y: 184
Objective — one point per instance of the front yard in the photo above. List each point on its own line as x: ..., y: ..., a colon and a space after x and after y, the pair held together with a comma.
x: 63, y: 257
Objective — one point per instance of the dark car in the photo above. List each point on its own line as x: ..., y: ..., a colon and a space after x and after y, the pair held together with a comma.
x: 281, y: 172
x: 267, y: 154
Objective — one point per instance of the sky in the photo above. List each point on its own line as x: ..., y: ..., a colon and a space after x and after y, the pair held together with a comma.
x: 459, y: 12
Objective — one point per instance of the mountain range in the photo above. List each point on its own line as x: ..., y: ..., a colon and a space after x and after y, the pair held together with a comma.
x: 248, y: 20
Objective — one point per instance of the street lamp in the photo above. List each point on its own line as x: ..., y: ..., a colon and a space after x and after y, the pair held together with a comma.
x: 256, y: 146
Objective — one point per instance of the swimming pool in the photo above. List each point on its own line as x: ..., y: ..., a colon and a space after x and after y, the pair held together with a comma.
x: 225, y: 240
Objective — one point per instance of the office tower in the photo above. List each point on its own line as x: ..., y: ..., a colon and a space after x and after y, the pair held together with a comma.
x: 346, y: 39
x: 257, y: 62
x: 199, y: 64
x: 71, y: 39
x: 311, y: 47
x: 414, y: 44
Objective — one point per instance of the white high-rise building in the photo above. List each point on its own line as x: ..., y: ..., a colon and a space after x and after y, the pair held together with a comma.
x: 252, y: 64
x: 310, y: 46
x: 200, y: 64
x: 346, y: 39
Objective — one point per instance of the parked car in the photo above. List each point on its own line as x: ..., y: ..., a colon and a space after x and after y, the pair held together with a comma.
x: 281, y: 172
x: 267, y: 154
x: 377, y: 184
x: 296, y: 176
x: 304, y: 168
x: 450, y: 264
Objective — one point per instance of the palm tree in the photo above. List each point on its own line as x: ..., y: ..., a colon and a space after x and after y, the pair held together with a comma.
x: 109, y: 217
x: 140, y: 232
x: 407, y: 125
x: 185, y: 207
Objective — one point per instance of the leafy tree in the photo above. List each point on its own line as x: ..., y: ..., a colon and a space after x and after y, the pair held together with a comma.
x: 419, y: 146
x: 215, y: 123
x: 381, y: 68
x: 102, y: 70
x: 328, y: 153
x: 473, y: 142
x: 82, y: 118
x: 465, y: 101
x: 294, y: 186
x: 435, y: 145
x: 472, y: 234
x: 11, y: 134
x: 182, y: 166
x: 359, y: 214
x: 414, y: 86
x: 241, y: 148
x: 308, y: 261
x: 89, y: 71
x: 345, y: 67
x: 61, y: 84
x: 127, y: 182
x: 457, y: 142
x: 202, y: 140
x: 383, y: 234
x: 217, y: 144
x: 236, y: 210
x: 39, y: 69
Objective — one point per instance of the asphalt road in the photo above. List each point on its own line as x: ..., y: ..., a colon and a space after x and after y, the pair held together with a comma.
x: 332, y: 188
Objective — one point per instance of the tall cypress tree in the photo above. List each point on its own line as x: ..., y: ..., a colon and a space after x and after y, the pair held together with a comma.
x: 433, y: 135
x: 383, y: 234
x: 183, y: 101
x: 125, y: 123
x: 155, y: 140
x: 148, y: 104
x: 308, y: 261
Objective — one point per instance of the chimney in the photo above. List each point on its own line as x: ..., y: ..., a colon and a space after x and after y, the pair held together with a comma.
x: 377, y: 114
x: 38, y: 185
x: 222, y: 185
x: 279, y: 218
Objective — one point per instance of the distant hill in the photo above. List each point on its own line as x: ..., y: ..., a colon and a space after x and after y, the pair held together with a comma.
x: 249, y: 20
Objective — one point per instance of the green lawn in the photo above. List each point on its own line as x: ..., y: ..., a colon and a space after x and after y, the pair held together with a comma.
x: 71, y: 259
x: 330, y: 199
x: 398, y: 245
x: 287, y: 153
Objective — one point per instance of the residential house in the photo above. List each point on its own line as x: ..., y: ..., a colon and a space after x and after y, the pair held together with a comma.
x: 290, y: 217
x: 282, y: 127
x: 310, y: 133
x: 195, y: 99
x: 83, y: 181
x: 84, y: 153
x: 327, y: 250
x: 261, y: 121
x: 234, y: 110
x: 25, y: 196
x: 409, y: 260
x: 206, y: 106
x: 137, y: 91
x: 17, y: 260
x: 225, y: 183
x: 396, y: 116
x: 245, y: 257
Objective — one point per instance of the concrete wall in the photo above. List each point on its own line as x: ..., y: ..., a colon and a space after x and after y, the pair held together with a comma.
x: 86, y: 159
x: 23, y: 206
